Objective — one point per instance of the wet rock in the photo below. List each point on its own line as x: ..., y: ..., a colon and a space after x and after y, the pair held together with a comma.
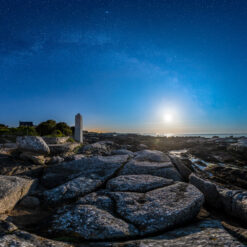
x: 98, y: 199
x: 34, y: 144
x: 24, y: 239
x: 57, y: 149
x: 161, y: 169
x: 205, y: 233
x: 239, y: 147
x: 204, y: 152
x: 12, y: 189
x: 230, y: 175
x: 159, y: 209
x: 74, y: 188
x: 152, y: 156
x: 224, y: 157
x: 137, y: 183
x: 97, y: 224
x: 97, y: 167
x: 34, y: 158
x: 30, y: 202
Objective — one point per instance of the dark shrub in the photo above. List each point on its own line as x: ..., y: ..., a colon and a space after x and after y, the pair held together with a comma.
x: 64, y: 128
x: 46, y: 128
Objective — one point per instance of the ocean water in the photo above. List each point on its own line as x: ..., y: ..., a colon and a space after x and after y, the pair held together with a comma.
x: 201, y: 135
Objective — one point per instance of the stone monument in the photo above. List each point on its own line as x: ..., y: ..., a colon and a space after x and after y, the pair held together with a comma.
x: 78, y: 128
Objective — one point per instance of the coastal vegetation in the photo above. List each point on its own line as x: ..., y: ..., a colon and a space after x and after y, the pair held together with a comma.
x: 48, y: 128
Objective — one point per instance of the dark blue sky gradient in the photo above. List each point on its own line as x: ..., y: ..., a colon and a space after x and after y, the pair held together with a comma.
x: 125, y: 63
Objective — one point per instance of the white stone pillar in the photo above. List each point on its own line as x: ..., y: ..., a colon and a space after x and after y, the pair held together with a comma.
x: 78, y: 128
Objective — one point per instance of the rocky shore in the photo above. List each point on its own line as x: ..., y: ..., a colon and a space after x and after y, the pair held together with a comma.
x: 123, y: 190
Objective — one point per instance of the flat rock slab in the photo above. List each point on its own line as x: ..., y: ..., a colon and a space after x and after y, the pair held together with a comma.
x: 137, y: 183
x: 72, y: 189
x: 98, y: 199
x: 159, y: 209
x: 97, y: 167
x: 161, y: 169
x: 34, y: 144
x: 89, y: 222
x: 122, y: 151
x: 83, y: 176
x: 205, y: 233
x: 108, y: 215
x: 12, y: 189
x: 151, y: 155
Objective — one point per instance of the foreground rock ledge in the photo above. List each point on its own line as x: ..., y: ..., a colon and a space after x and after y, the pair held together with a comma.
x: 89, y: 222
x: 159, y: 209
x: 136, y: 213
x: 205, y: 233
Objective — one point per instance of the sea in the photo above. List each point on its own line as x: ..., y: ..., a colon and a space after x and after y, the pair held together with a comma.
x: 201, y: 135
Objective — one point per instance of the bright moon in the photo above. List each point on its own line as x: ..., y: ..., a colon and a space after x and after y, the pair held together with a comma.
x: 168, y: 118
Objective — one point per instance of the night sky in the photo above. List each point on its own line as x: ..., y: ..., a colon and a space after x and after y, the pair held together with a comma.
x: 125, y: 64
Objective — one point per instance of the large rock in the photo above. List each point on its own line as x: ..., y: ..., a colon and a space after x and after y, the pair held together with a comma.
x: 80, y: 177
x: 152, y: 156
x: 161, y: 169
x: 74, y: 188
x: 137, y: 183
x: 205, y: 233
x: 12, y: 189
x: 34, y: 144
x: 233, y: 202
x: 159, y: 209
x: 208, y: 188
x: 97, y: 167
x: 182, y: 168
x: 97, y: 224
